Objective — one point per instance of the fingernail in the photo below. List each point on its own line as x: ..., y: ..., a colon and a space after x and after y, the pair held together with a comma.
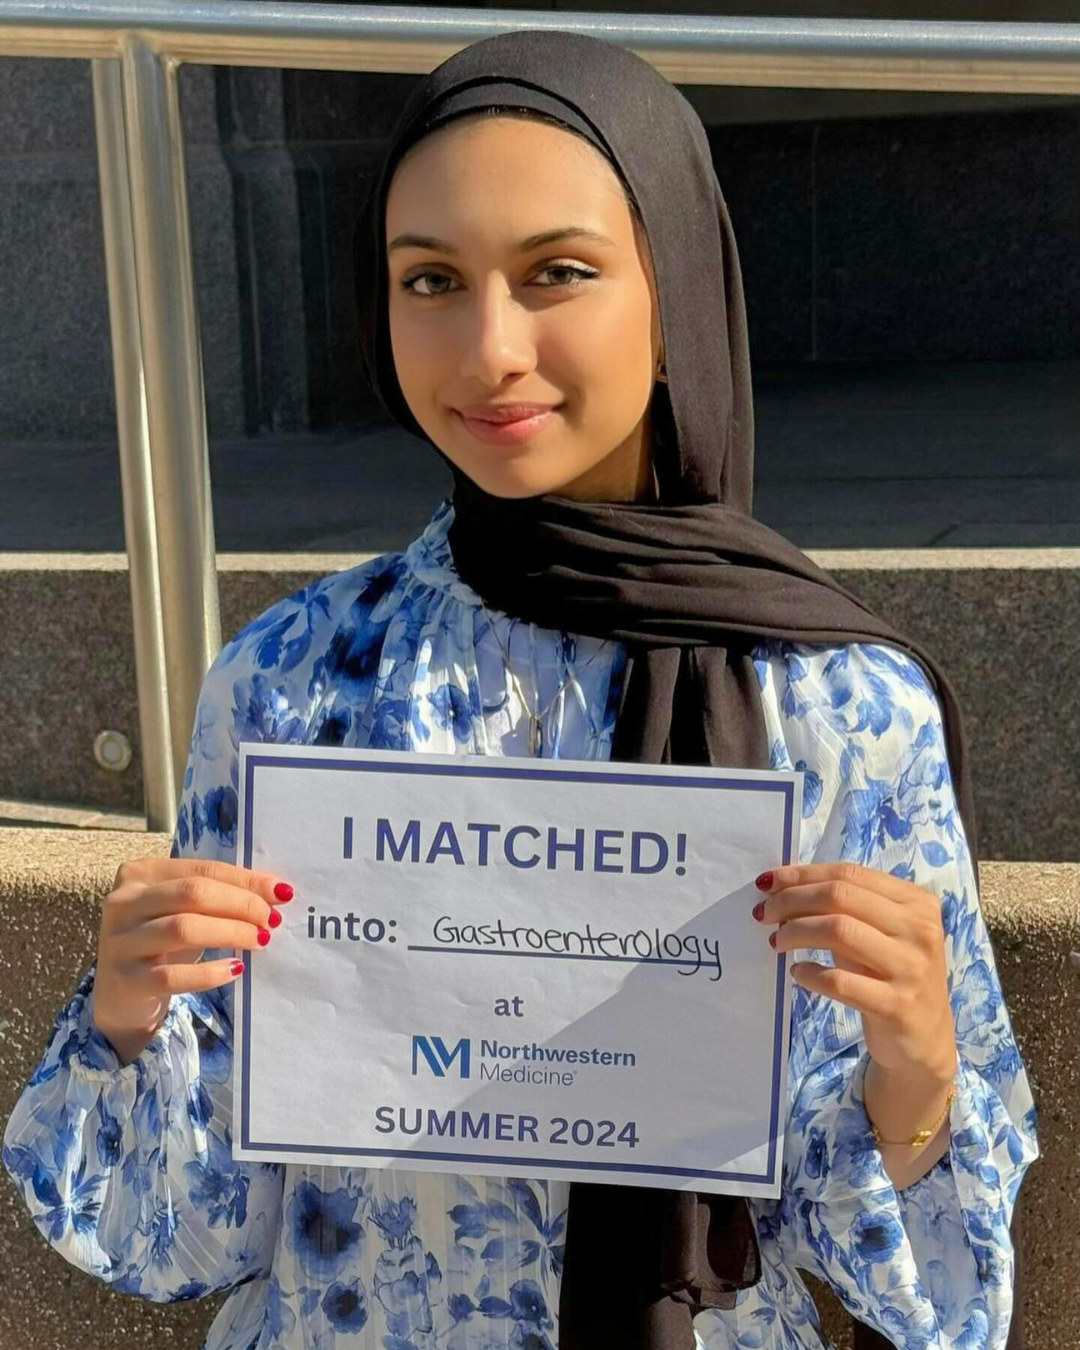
x: 764, y: 881
x: 264, y: 936
x: 237, y: 968
x: 283, y: 891
x: 274, y: 919
x: 759, y: 909
x: 772, y: 938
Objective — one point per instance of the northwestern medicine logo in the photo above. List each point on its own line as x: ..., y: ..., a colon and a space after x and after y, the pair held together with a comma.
x: 433, y: 1050
x: 531, y: 1063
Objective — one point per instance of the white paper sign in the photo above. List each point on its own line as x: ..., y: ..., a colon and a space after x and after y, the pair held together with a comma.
x: 515, y: 967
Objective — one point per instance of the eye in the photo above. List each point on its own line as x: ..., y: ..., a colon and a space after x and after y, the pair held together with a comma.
x: 410, y: 283
x: 581, y: 274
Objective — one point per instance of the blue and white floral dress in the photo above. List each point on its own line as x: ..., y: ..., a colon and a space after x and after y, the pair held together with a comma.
x: 128, y: 1171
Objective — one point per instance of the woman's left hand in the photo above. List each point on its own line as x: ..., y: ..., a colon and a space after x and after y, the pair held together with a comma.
x: 888, y: 943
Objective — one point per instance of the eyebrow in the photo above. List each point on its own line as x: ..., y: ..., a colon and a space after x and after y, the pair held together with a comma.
x: 525, y: 246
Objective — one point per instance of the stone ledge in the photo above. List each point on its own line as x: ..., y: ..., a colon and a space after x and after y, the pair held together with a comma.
x: 850, y: 559
x: 51, y: 881
x: 19, y: 813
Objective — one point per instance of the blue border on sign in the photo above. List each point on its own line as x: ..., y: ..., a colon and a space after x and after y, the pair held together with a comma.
x: 473, y: 770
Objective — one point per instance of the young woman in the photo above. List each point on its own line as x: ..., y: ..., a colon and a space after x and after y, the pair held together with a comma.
x: 550, y: 295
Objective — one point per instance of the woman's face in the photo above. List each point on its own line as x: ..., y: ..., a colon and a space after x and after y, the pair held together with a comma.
x: 478, y: 318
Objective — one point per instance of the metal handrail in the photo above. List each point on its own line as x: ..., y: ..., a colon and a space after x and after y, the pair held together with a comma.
x: 136, y: 475
x: 137, y: 46
x: 691, y: 49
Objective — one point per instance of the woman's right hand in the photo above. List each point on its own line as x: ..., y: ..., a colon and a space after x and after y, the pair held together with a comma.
x: 156, y: 922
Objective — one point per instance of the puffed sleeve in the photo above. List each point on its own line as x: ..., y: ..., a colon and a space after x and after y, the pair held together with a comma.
x: 127, y: 1169
x: 931, y: 1265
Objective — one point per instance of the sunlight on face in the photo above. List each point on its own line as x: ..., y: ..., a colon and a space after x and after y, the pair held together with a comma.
x: 570, y: 323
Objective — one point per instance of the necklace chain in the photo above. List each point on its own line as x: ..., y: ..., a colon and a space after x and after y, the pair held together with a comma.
x: 536, y: 734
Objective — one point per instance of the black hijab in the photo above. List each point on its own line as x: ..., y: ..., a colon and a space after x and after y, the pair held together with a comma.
x: 688, y: 584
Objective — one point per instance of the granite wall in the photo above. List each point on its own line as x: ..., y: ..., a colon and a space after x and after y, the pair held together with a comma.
x: 56, y: 377
x: 902, y: 227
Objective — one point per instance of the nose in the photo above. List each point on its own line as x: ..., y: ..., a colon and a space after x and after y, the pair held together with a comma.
x: 498, y: 336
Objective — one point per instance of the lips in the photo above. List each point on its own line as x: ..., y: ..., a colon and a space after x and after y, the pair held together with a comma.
x: 499, y: 414
x: 508, y: 433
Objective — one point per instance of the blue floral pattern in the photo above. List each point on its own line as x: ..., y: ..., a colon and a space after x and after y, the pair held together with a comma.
x: 128, y: 1170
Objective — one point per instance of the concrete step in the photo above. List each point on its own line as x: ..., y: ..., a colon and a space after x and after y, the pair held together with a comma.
x: 1005, y: 624
x: 53, y: 879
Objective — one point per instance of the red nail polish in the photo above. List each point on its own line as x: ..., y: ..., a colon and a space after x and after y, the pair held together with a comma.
x: 264, y: 936
x: 759, y: 909
x: 772, y: 939
x: 283, y: 891
x: 237, y: 968
x: 764, y: 881
x: 274, y: 918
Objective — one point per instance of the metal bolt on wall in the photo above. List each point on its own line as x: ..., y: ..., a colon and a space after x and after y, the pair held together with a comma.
x: 112, y: 750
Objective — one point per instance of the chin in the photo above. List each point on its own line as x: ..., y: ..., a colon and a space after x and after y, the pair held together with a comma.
x: 514, y: 482
x: 513, y: 489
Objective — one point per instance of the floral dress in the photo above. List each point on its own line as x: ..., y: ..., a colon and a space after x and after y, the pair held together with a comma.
x: 128, y: 1171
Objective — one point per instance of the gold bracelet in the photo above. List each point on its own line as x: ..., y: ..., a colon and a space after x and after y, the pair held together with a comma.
x: 920, y: 1136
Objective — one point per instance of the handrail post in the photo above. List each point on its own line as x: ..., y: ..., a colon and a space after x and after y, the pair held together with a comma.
x: 172, y: 366
x: 159, y: 788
